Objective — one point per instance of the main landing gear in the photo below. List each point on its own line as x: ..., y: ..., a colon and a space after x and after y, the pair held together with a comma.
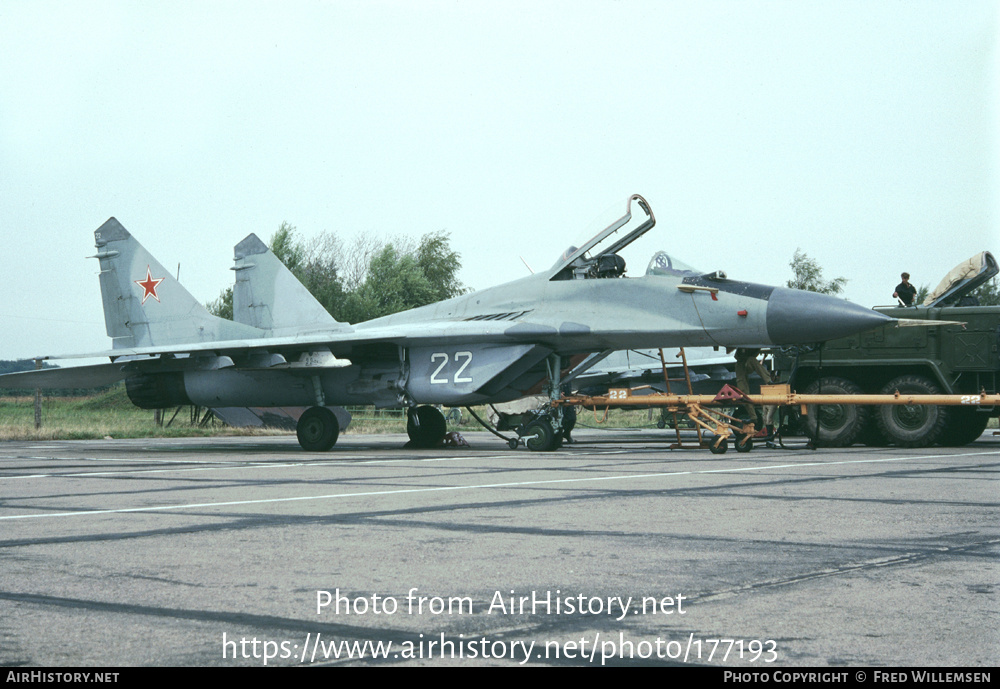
x: 552, y: 424
x: 547, y: 431
x: 426, y: 426
x: 317, y: 429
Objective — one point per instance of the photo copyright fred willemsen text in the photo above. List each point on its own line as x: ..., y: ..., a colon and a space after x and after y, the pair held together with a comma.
x: 595, y: 648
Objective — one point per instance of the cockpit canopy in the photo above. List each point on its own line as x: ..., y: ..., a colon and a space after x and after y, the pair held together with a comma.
x: 666, y: 265
x: 596, y: 255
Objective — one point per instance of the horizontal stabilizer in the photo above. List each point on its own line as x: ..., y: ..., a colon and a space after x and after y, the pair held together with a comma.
x: 95, y: 376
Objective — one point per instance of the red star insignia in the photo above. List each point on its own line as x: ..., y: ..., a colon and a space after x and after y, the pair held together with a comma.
x: 149, y: 286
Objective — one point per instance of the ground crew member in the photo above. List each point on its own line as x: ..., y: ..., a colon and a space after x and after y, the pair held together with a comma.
x: 746, y: 361
x: 905, y: 292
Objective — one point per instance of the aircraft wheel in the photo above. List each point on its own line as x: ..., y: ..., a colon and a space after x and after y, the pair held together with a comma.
x: 719, y: 449
x: 917, y: 425
x: 317, y: 429
x: 840, y: 425
x: 743, y: 445
x: 544, y: 437
x: 426, y: 426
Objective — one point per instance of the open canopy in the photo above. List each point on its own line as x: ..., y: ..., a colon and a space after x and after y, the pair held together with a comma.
x: 962, y: 279
x: 597, y: 256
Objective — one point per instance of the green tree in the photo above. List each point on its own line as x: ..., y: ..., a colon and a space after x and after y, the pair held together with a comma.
x: 988, y: 293
x: 319, y: 269
x: 17, y: 365
x: 395, y: 282
x: 440, y: 265
x: 288, y: 248
x: 381, y: 278
x: 369, y: 278
x: 809, y: 276
x: 223, y: 306
x: 922, y: 294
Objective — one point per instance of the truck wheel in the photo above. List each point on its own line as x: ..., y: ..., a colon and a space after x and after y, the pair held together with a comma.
x: 916, y: 425
x: 964, y: 426
x: 872, y: 436
x: 840, y: 425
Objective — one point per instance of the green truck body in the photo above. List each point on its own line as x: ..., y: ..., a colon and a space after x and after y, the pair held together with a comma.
x: 942, y: 359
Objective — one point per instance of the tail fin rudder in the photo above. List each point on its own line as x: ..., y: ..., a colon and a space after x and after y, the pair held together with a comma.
x: 267, y: 295
x: 144, y: 306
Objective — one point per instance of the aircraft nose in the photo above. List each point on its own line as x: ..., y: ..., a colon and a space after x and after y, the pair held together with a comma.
x: 798, y: 317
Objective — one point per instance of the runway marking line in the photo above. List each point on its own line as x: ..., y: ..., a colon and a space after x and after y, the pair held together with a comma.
x: 223, y: 465
x: 483, y: 486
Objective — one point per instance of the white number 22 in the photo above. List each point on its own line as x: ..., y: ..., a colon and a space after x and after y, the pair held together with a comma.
x: 465, y: 358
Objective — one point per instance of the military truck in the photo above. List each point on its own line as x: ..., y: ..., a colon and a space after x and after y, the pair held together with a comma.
x: 945, y: 359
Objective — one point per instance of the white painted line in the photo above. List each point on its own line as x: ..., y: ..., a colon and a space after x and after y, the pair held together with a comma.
x: 225, y: 465
x: 483, y: 486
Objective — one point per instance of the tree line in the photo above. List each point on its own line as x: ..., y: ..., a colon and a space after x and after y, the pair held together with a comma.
x: 368, y: 277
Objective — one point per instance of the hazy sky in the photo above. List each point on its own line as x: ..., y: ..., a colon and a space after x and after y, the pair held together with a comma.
x: 864, y: 133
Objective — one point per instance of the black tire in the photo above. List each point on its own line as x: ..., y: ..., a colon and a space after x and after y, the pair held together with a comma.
x: 743, y: 445
x: 317, y: 429
x: 840, y: 425
x: 540, y: 436
x: 426, y: 426
x: 964, y: 426
x: 917, y: 425
x: 719, y: 449
x: 872, y: 435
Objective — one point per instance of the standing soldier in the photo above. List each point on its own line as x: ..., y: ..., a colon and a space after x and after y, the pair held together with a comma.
x: 746, y: 362
x: 905, y: 292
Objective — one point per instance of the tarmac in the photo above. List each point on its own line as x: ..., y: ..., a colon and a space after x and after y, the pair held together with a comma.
x: 614, y: 550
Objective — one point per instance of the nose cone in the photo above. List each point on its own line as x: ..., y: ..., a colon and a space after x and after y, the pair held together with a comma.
x: 798, y: 317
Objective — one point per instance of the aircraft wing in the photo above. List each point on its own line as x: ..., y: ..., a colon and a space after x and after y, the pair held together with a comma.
x: 440, y: 332
x: 448, y: 361
x: 91, y: 376
x: 709, y: 370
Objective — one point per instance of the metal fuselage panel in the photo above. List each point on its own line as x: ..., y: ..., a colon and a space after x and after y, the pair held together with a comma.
x: 454, y: 376
x: 350, y: 385
x: 572, y: 316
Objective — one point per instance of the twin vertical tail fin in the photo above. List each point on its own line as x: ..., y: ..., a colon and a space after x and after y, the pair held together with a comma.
x: 267, y: 295
x: 144, y: 306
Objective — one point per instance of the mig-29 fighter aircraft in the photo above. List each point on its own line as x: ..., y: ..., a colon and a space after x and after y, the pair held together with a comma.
x: 499, y: 344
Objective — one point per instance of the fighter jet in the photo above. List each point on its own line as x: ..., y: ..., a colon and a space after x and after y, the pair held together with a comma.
x: 528, y: 336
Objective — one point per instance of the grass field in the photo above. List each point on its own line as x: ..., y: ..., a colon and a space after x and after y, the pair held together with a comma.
x: 108, y: 414
x: 112, y: 415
